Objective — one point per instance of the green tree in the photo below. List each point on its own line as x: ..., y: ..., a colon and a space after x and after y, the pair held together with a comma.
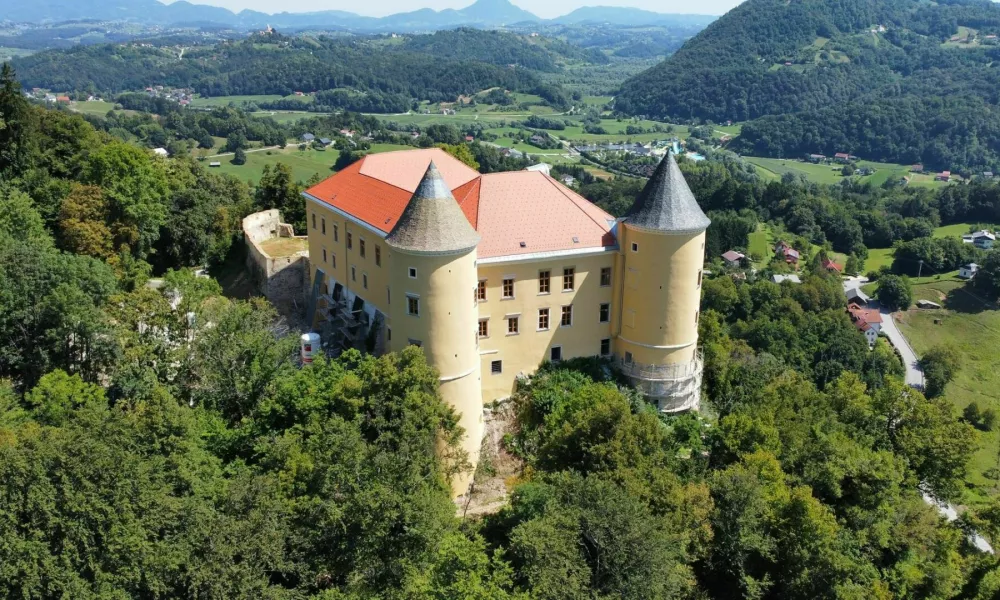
x: 240, y: 157
x: 894, y: 292
x: 940, y: 365
x: 278, y: 189
x: 16, y: 125
x: 135, y: 194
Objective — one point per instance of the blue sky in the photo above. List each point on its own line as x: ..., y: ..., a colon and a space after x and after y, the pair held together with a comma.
x: 546, y: 9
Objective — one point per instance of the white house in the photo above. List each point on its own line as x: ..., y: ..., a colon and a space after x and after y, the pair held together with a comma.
x: 983, y: 240
x: 867, y: 320
x: 161, y: 152
x: 781, y: 278
x: 968, y: 271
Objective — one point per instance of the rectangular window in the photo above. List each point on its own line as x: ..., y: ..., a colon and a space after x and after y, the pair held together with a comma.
x: 333, y: 260
x: 481, y: 290
x: 569, y: 279
x: 635, y: 247
x: 628, y: 358
x: 388, y: 295
x: 413, y: 272
x: 556, y: 353
x: 378, y: 255
x: 388, y: 334
x: 512, y: 325
x: 314, y: 220
x: 484, y: 328
x: 364, y: 280
x: 605, y: 347
x: 606, y: 277
x: 605, y: 313
x: 508, y: 288
x: 567, y: 316
x: 414, y: 342
x: 350, y: 240
x: 700, y: 274
x: 361, y: 247
x: 697, y: 317
x: 324, y: 255
x: 323, y: 221
x: 413, y: 306
x: 543, y: 282
x: 336, y: 233
x: 354, y: 274
x: 496, y: 367
x: 543, y: 319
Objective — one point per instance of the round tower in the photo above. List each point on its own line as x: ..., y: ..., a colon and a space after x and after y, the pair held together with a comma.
x: 433, y: 280
x: 662, y: 242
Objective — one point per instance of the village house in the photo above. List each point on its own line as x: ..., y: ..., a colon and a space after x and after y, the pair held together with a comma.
x: 816, y: 158
x: 733, y: 258
x: 785, y: 251
x: 943, y: 176
x: 856, y: 296
x: 968, y: 271
x: 842, y: 157
x: 982, y: 239
x: 779, y: 279
x: 867, y: 320
x: 832, y: 266
x: 308, y: 137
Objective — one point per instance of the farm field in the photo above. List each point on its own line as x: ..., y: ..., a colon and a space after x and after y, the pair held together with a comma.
x: 971, y: 324
x: 830, y: 174
x: 239, y: 100
x: 304, y: 163
x: 97, y: 107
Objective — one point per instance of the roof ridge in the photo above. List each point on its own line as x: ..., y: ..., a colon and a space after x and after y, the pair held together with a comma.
x: 556, y: 185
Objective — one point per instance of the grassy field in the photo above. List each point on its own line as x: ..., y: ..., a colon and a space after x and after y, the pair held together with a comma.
x: 972, y: 324
x: 877, y: 258
x: 760, y: 243
x: 239, y: 100
x: 99, y: 107
x: 830, y: 174
x: 304, y: 163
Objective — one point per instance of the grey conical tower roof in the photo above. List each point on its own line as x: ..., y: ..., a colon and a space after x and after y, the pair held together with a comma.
x: 432, y: 222
x: 666, y: 203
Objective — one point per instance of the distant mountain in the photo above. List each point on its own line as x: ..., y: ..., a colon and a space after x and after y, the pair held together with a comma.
x: 904, y: 81
x: 483, y: 13
x: 617, y: 15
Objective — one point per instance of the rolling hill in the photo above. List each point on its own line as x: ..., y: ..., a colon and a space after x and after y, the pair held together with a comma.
x: 482, y: 13
x: 893, y: 80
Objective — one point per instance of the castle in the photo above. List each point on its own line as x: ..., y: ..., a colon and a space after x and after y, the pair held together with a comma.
x: 493, y: 274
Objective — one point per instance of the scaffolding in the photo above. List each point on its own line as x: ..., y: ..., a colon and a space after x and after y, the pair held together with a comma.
x: 675, y: 387
x: 343, y: 324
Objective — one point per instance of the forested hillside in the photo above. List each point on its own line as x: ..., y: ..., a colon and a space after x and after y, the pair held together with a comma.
x: 278, y: 65
x: 502, y: 48
x: 899, y: 81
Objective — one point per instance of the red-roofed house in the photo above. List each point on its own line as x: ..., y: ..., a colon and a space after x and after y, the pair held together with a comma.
x: 944, y: 176
x: 785, y: 250
x: 867, y: 320
x: 832, y: 266
x: 63, y: 99
x: 842, y: 157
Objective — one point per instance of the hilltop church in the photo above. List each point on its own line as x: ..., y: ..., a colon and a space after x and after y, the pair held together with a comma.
x: 494, y: 274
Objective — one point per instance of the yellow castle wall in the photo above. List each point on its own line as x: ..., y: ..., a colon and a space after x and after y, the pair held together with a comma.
x: 661, y: 296
x: 445, y: 327
x: 526, y: 350
x: 376, y: 293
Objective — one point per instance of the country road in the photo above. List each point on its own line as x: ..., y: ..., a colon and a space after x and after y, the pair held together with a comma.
x: 914, y: 374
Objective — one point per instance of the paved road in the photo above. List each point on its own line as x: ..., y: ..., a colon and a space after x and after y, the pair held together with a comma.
x: 914, y: 374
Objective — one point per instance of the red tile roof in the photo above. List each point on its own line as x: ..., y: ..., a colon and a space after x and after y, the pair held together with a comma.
x: 831, y: 265
x: 864, y: 318
x: 505, y: 208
